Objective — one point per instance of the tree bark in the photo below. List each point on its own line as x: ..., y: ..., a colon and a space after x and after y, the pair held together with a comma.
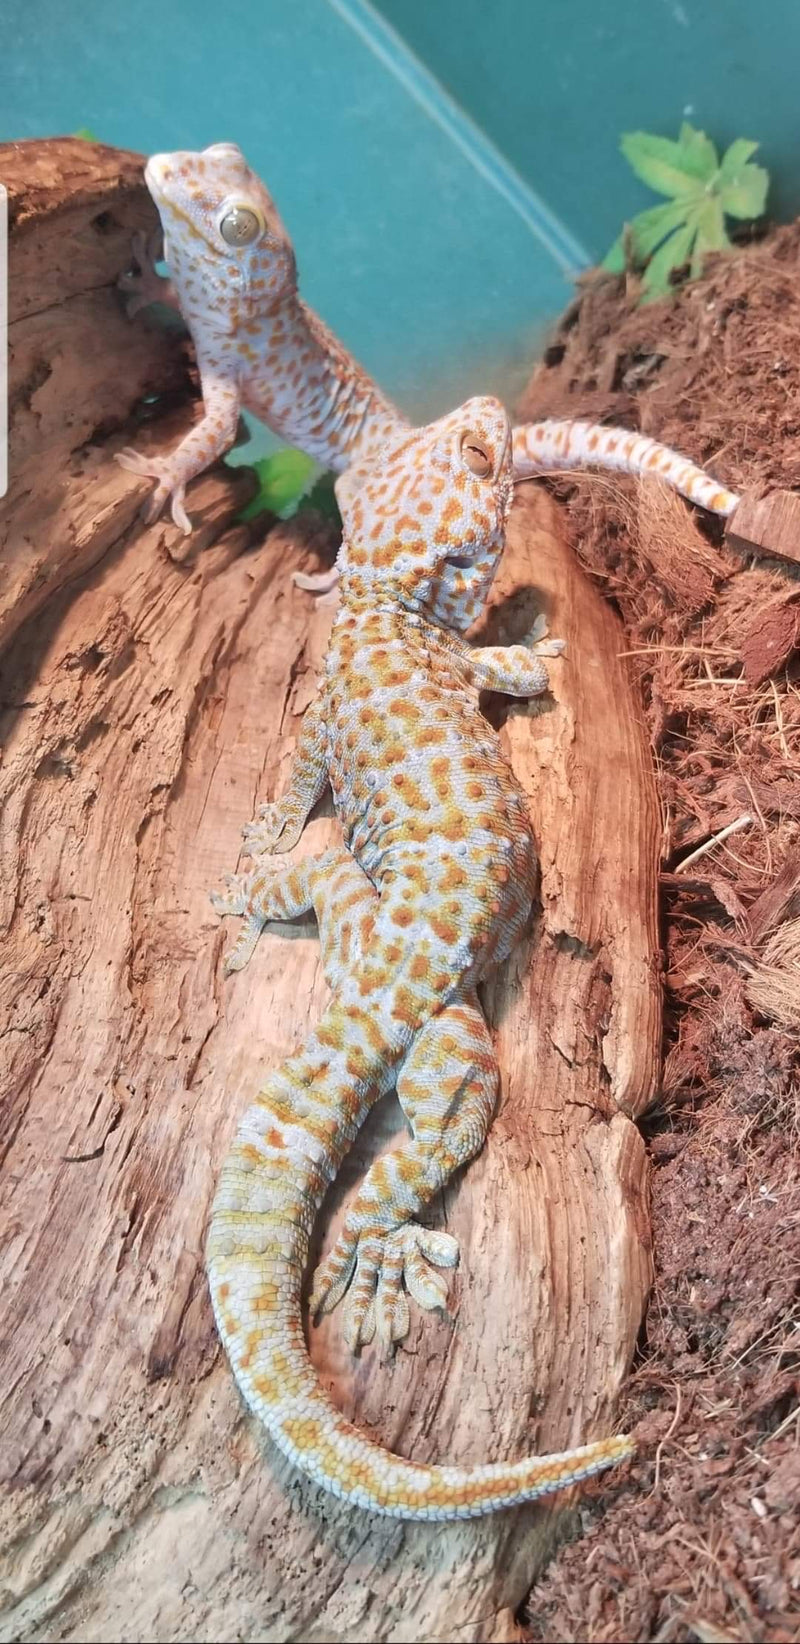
x: 150, y: 702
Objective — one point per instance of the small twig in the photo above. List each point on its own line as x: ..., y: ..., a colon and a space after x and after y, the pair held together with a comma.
x: 715, y: 679
x: 794, y: 1415
x: 724, y: 833
x: 681, y: 650
x: 667, y: 1436
x: 779, y: 720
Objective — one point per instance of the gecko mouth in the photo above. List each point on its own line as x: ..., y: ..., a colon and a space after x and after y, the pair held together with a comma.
x: 154, y: 171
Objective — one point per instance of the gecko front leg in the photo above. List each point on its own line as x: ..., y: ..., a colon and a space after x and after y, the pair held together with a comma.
x: 280, y: 822
x: 516, y: 670
x: 145, y: 285
x: 212, y: 437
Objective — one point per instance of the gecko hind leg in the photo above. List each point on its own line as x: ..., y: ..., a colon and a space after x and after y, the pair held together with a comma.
x: 448, y: 1090
x: 333, y: 884
x: 267, y: 893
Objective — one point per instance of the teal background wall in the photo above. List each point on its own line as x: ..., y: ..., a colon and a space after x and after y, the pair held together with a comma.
x: 555, y: 84
x: 444, y: 166
x: 429, y: 257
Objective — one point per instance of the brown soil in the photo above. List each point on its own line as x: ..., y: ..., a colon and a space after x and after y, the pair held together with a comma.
x: 704, y: 1541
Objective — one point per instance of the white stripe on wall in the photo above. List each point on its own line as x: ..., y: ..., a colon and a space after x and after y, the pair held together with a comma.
x: 388, y: 46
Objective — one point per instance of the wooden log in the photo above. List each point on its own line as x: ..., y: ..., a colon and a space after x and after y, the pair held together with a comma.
x: 767, y: 525
x: 77, y: 368
x: 145, y: 711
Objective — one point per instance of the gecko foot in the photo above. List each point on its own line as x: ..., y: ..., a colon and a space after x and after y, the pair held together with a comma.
x: 145, y: 286
x: 378, y: 1272
x: 236, y: 900
x: 320, y: 582
x: 236, y: 897
x: 157, y: 468
x: 538, y: 642
x: 276, y: 830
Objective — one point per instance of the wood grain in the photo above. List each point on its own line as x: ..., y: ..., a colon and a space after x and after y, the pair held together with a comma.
x: 77, y: 368
x: 767, y: 525
x: 145, y: 711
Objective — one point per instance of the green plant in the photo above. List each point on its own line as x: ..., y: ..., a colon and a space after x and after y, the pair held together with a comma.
x: 702, y: 191
x: 283, y: 478
x: 322, y: 497
x: 85, y: 135
x: 286, y: 479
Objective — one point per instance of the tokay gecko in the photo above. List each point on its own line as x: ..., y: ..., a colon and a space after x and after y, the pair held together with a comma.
x: 433, y: 885
x: 261, y: 349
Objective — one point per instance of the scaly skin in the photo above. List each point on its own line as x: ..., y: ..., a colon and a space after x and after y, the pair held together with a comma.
x: 433, y: 885
x: 259, y: 348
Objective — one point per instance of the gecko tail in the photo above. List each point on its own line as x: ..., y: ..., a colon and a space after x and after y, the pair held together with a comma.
x: 257, y: 1252
x: 565, y: 444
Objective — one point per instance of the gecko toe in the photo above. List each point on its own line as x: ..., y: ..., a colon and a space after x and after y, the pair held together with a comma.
x: 179, y: 514
x: 375, y: 1273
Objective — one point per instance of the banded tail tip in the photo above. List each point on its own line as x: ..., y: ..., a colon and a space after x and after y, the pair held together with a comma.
x: 624, y: 1446
x: 603, y: 1453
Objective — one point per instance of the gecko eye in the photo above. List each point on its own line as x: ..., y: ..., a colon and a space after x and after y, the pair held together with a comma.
x: 241, y: 225
x: 475, y: 454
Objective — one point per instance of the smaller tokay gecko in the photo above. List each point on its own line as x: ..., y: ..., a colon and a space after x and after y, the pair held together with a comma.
x: 260, y: 348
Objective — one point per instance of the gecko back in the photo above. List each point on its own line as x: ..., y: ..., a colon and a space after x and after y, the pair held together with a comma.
x: 433, y: 885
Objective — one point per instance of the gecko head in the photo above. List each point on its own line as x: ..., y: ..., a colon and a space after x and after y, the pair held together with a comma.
x: 424, y: 526
x: 218, y: 217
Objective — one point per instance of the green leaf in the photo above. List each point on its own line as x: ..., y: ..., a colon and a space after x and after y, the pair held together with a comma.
x: 283, y: 478
x: 322, y: 497
x: 672, y: 254
x: 700, y: 154
x: 701, y: 190
x: 737, y: 155
x: 743, y: 187
x: 653, y: 226
x: 86, y: 135
x: 709, y: 224
x: 662, y: 164
x: 614, y: 259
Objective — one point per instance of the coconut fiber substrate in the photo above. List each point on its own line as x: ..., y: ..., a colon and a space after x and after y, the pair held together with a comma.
x: 703, y: 1542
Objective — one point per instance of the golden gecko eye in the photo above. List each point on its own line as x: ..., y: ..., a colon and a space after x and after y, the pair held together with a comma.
x: 475, y: 455
x: 241, y: 225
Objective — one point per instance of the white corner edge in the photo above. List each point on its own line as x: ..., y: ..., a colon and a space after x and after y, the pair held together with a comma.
x: 3, y: 341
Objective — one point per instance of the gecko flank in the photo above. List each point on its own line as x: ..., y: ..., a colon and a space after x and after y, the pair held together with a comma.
x: 433, y: 885
x: 259, y: 348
